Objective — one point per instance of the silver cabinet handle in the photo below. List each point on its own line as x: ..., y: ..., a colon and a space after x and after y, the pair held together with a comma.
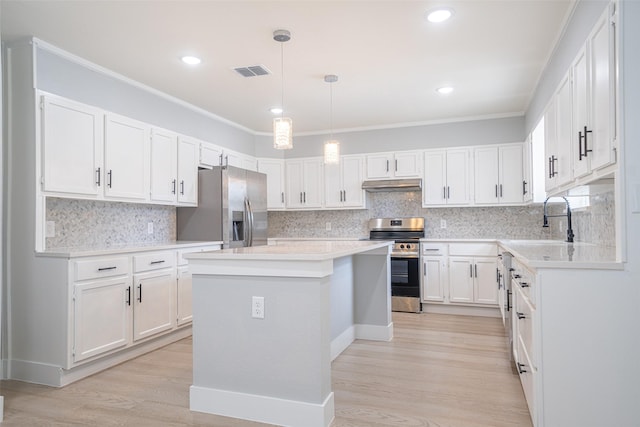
x: 387, y: 165
x: 110, y: 174
x: 282, y: 197
x: 98, y: 177
x: 496, y: 191
x: 301, y: 197
x: 174, y: 187
x: 500, y: 190
x: 396, y: 165
x: 304, y: 198
x: 475, y: 267
x: 470, y: 270
x: 182, y: 187
x: 448, y: 193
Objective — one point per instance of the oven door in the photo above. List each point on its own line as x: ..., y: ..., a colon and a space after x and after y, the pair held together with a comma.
x: 405, y: 277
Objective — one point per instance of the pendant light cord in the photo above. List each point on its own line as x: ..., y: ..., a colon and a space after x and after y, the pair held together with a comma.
x: 331, y: 111
x: 282, y: 77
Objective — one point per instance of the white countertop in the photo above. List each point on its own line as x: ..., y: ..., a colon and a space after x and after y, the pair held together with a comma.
x: 121, y: 249
x: 306, y: 250
x: 560, y: 254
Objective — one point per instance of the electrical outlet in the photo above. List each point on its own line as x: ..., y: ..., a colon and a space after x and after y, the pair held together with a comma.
x: 50, y: 229
x: 327, y: 226
x: 257, y: 307
x: 443, y: 223
x: 150, y: 228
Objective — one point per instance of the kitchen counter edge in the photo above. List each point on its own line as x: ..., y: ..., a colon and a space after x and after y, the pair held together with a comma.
x: 85, y: 252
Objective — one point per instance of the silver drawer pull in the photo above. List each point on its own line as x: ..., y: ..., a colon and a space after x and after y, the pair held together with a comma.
x: 157, y: 262
x: 107, y: 268
x: 429, y: 249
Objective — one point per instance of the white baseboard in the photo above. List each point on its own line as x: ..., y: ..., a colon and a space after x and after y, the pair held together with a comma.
x: 374, y: 332
x: 342, y: 341
x: 461, y: 310
x: 263, y: 409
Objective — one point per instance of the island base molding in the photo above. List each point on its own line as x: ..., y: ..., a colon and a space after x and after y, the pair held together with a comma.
x: 264, y: 409
x: 360, y: 332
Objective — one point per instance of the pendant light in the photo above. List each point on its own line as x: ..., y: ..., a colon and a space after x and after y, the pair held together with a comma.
x: 282, y: 126
x: 332, y: 146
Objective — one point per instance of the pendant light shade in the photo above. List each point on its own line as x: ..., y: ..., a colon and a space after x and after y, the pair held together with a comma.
x: 332, y: 146
x: 332, y: 152
x: 282, y: 133
x: 282, y: 126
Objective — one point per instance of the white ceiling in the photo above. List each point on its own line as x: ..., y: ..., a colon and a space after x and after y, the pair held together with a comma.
x: 388, y: 58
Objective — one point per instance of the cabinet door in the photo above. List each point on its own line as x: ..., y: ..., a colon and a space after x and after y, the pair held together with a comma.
x: 603, y: 94
x: 210, y: 155
x: 485, y: 285
x: 580, y: 75
x: 486, y: 184
x: 352, y: 177
x: 510, y: 173
x: 294, y: 183
x: 126, y: 158
x: 164, y: 184
x: 434, y: 189
x: 333, y: 191
x: 433, y: 275
x: 72, y: 138
x: 313, y: 183
x: 187, y: 172
x: 101, y: 321
x: 408, y: 164
x: 564, y: 164
x: 183, y: 303
x: 274, y: 169
x: 153, y: 309
x: 379, y: 166
x: 550, y: 146
x: 458, y: 177
x: 460, y: 279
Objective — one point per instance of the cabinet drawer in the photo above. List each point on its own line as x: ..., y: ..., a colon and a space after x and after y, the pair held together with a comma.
x: 527, y: 378
x: 526, y: 280
x: 433, y: 249
x: 524, y: 317
x: 182, y: 252
x: 153, y: 261
x: 102, y: 267
x: 473, y: 249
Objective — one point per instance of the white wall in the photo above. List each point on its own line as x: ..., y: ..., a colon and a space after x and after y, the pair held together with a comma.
x: 473, y: 132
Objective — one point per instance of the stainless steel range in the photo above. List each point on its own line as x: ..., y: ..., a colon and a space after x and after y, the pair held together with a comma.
x: 405, y: 259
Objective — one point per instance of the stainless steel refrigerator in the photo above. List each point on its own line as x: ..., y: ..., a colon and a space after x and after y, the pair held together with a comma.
x: 232, y: 208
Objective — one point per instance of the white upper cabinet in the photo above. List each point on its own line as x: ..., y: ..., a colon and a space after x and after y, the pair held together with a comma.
x: 210, y: 155
x: 403, y: 164
x: 498, y: 174
x: 446, y: 177
x: 72, y: 144
x: 164, y: 182
x: 557, y: 119
x: 274, y: 169
x: 239, y: 160
x: 126, y: 158
x: 343, y: 183
x: 304, y: 183
x: 594, y: 98
x: 187, y: 184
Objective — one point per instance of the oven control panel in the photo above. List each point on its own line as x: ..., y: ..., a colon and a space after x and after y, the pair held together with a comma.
x: 406, y: 249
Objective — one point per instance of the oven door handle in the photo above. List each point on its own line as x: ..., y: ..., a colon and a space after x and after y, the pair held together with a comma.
x: 404, y: 256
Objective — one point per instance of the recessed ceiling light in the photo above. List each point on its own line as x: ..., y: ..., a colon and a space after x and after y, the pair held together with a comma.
x: 444, y: 90
x: 439, y: 15
x: 276, y: 110
x: 191, y: 60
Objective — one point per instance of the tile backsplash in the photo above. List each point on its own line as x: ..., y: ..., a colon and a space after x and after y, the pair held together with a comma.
x: 88, y: 223
x: 102, y: 224
x: 594, y: 224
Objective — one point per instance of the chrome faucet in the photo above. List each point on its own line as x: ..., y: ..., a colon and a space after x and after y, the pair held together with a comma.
x: 545, y: 223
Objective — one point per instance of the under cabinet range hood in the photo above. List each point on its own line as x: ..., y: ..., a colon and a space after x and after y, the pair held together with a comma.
x: 377, y: 185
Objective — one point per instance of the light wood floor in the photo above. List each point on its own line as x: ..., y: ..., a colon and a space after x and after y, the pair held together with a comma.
x: 439, y: 371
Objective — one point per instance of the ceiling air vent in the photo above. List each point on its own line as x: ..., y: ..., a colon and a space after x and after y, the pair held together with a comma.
x: 254, y: 70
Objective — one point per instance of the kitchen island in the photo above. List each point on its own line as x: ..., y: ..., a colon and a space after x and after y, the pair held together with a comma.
x: 268, y: 321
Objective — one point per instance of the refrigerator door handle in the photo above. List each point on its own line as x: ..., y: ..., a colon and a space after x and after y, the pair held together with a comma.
x: 249, y: 219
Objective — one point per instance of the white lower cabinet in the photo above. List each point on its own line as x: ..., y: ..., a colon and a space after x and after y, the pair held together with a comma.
x: 101, y: 316
x: 154, y: 302
x: 460, y: 273
x: 183, y: 295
